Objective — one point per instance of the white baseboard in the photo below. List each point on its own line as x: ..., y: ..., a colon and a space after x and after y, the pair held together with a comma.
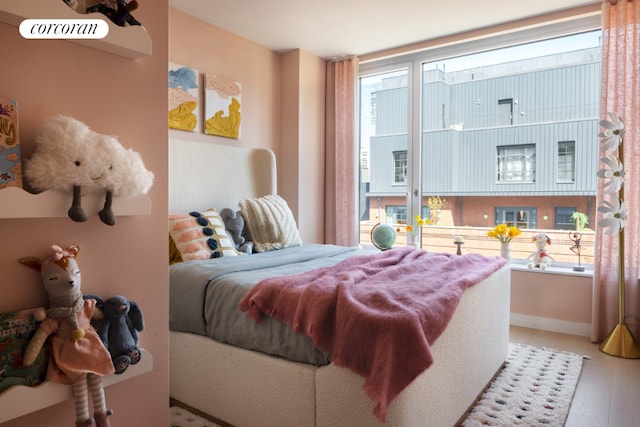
x: 553, y: 325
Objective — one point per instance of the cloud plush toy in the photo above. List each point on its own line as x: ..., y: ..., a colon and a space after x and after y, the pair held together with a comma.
x: 71, y: 157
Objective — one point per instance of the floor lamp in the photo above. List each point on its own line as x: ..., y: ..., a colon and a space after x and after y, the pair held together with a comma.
x: 620, y: 342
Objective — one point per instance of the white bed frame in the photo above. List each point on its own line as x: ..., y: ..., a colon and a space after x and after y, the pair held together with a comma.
x: 246, y: 388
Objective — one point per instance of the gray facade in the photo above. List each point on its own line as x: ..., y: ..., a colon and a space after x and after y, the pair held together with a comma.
x: 468, y: 116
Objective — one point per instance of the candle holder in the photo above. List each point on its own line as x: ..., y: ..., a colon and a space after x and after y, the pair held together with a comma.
x: 458, y: 241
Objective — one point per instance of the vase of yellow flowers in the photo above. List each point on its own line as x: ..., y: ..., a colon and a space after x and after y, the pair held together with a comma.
x: 413, y: 232
x: 504, y: 234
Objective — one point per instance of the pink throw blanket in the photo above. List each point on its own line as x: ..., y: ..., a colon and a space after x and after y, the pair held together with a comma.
x: 376, y: 314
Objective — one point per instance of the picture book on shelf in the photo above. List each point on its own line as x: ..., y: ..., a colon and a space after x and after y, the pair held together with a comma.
x: 10, y: 159
x: 16, y: 330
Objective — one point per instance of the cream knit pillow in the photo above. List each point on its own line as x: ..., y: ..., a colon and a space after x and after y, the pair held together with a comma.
x: 269, y: 223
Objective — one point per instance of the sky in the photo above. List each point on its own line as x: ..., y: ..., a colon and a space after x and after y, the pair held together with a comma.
x: 526, y: 51
x: 503, y: 55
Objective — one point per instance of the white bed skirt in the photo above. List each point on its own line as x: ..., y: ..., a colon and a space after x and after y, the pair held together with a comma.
x: 250, y: 389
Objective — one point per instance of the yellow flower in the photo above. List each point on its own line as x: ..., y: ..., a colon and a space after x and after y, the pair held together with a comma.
x: 504, y: 233
x: 420, y: 222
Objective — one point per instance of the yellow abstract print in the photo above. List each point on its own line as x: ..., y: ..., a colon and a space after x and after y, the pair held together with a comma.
x: 222, y: 106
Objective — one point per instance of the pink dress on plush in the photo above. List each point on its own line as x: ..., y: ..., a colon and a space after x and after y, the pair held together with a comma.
x: 69, y: 360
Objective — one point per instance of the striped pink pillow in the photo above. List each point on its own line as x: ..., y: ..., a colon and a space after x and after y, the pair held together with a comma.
x: 200, y: 236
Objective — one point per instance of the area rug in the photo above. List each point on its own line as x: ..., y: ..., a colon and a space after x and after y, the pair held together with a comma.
x: 182, y: 418
x: 535, y: 388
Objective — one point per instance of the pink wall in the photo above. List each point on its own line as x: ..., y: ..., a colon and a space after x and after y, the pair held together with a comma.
x: 287, y: 160
x: 301, y: 171
x: 208, y: 49
x: 554, y: 297
x: 312, y: 148
x: 118, y: 96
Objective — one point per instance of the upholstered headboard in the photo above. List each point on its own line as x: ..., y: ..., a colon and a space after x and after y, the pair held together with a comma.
x: 205, y: 175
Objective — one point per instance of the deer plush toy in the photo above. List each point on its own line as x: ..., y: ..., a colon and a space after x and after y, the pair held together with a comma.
x: 77, y: 356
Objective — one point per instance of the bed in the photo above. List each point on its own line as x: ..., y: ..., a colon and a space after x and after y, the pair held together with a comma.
x: 254, y: 387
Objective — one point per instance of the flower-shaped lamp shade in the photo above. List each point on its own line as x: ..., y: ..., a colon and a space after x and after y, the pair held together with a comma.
x: 613, y: 132
x: 614, y: 209
x: 613, y: 174
x: 615, y: 215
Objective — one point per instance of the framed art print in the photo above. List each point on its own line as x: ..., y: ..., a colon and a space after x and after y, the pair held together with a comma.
x: 222, y: 106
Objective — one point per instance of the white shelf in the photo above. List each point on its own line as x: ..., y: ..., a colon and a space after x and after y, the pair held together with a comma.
x: 22, y: 400
x: 130, y: 41
x: 18, y: 203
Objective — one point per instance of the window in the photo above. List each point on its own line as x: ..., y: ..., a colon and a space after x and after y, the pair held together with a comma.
x: 505, y: 112
x: 563, y: 218
x: 566, y: 161
x: 517, y: 163
x: 364, y: 160
x: 521, y: 217
x: 505, y: 128
x: 399, y: 167
x: 396, y: 214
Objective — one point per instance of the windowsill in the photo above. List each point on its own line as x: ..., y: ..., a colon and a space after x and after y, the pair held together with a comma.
x: 559, y: 268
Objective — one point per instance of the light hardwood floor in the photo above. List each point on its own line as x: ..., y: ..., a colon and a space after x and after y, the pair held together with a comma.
x: 608, y: 392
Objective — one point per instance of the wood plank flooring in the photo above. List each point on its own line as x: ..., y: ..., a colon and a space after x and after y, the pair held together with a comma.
x: 608, y: 392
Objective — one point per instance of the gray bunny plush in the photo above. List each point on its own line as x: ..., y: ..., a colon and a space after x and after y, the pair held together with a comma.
x: 118, y: 329
x: 234, y: 223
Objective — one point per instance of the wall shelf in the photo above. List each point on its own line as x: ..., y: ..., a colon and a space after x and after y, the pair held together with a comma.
x: 22, y: 400
x: 18, y: 203
x: 130, y: 42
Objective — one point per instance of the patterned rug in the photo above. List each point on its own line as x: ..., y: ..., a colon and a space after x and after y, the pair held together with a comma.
x: 535, y: 388
x: 183, y: 418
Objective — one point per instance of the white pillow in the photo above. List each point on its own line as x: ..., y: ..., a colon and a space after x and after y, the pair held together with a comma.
x: 270, y: 223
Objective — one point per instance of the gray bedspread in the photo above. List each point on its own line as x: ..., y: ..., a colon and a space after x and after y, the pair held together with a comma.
x: 204, y: 296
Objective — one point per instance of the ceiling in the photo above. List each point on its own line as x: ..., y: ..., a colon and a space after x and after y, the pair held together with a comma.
x: 334, y: 28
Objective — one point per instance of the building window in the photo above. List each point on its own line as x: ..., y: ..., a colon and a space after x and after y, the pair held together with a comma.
x: 563, y: 218
x: 521, y: 217
x: 505, y: 112
x: 517, y: 163
x: 400, y: 167
x: 364, y: 160
x: 395, y: 214
x: 566, y: 161
x: 398, y: 214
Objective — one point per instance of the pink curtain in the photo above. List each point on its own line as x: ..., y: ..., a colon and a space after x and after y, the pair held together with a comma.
x: 341, y: 191
x: 621, y: 95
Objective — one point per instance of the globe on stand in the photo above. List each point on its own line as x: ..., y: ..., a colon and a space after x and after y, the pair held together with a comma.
x: 383, y: 236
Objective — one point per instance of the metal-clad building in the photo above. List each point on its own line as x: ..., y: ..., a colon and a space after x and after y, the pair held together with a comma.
x: 524, y: 128
x: 464, y: 162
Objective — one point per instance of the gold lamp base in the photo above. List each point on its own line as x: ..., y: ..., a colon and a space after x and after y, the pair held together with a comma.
x: 620, y: 343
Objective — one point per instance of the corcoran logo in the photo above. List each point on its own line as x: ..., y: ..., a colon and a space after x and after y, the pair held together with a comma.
x: 64, y: 29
